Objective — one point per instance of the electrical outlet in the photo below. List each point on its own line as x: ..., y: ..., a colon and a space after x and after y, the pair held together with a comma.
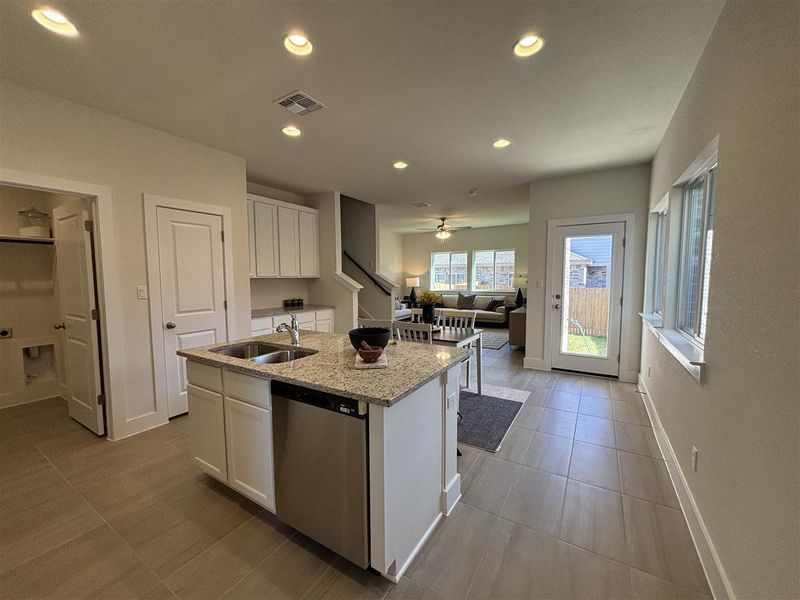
x: 539, y: 284
x: 141, y: 292
x: 648, y: 371
x: 694, y: 458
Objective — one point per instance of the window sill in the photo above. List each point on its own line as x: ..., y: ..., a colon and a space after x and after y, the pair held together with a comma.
x: 686, y: 353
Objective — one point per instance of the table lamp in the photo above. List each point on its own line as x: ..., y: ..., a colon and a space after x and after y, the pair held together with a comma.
x: 519, y: 282
x: 412, y: 282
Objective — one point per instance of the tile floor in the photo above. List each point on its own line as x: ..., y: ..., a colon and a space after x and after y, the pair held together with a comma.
x: 576, y: 504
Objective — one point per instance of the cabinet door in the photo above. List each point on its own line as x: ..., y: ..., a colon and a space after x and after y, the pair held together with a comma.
x: 309, y: 244
x: 288, y: 242
x: 251, y: 237
x: 324, y: 325
x: 265, y: 217
x: 207, y: 431
x: 248, y: 433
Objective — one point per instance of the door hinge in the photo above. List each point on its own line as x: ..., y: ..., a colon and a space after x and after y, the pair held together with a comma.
x: 95, y: 314
x: 623, y: 242
x: 222, y: 235
x: 225, y: 304
x: 101, y: 399
x: 88, y: 225
x: 618, y: 357
x: 620, y: 300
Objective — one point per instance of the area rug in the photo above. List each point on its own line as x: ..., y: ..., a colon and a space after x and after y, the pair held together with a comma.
x: 494, y: 340
x: 486, y: 419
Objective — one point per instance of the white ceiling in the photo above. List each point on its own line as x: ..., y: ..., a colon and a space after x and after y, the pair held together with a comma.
x: 431, y: 83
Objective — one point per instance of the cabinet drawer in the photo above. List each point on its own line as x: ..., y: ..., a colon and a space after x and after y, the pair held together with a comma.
x: 249, y: 389
x: 305, y: 317
x: 324, y: 315
x: 204, y: 376
x: 256, y: 332
x: 261, y: 323
x: 325, y: 325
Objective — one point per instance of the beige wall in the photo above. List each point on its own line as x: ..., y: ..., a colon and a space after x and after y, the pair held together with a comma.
x: 49, y: 136
x: 390, y: 256
x: 598, y: 193
x: 744, y: 417
x: 270, y: 292
x: 417, y: 248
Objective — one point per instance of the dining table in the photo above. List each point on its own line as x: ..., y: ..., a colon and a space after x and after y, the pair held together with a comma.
x: 461, y: 337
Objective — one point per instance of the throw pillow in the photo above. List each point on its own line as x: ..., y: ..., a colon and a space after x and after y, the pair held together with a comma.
x: 467, y: 302
x: 494, y: 305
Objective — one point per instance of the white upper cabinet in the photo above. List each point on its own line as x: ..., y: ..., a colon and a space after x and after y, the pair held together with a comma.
x: 266, y: 239
x: 251, y: 236
x: 284, y: 239
x: 309, y: 240
x: 289, y: 241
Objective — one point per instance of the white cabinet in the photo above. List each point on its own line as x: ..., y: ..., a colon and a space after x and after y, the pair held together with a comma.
x: 321, y: 320
x: 265, y: 219
x: 230, y: 430
x: 309, y: 241
x: 326, y: 325
x: 288, y: 241
x: 251, y: 236
x: 284, y: 238
x: 248, y: 439
x: 207, y: 430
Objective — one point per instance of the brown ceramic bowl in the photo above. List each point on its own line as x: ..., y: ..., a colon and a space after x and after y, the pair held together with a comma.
x: 370, y: 356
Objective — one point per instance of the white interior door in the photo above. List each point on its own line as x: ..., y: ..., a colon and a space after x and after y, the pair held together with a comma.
x: 587, y: 297
x: 192, y: 278
x: 76, y: 292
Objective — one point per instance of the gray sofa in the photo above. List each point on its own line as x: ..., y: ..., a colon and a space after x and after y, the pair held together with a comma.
x: 496, y: 317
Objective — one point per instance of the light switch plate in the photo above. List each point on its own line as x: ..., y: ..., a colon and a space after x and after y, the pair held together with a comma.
x: 141, y: 292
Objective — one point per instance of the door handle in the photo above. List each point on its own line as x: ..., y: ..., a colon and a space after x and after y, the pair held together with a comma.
x: 170, y: 325
x: 59, y: 326
x: 557, y: 306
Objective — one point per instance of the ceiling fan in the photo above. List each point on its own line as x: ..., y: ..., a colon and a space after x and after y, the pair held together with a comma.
x: 443, y: 230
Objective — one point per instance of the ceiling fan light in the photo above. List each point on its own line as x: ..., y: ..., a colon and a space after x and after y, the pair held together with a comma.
x: 443, y: 234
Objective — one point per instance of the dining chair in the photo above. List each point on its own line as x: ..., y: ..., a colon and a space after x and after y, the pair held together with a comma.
x: 416, y: 315
x: 384, y: 323
x: 463, y: 319
x: 413, y: 332
x: 457, y: 318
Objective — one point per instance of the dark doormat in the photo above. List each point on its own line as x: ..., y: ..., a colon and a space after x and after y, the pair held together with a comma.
x: 485, y: 420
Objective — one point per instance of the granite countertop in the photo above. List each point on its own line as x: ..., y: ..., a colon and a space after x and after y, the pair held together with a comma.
x: 257, y: 313
x: 332, y: 368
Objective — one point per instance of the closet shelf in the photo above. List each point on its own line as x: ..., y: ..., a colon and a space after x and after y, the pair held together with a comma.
x: 18, y: 239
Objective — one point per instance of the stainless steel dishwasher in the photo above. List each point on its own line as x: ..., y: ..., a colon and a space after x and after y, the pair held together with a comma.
x: 321, y: 468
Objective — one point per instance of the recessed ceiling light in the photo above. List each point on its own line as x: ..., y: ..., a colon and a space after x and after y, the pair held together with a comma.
x: 400, y: 165
x: 292, y: 131
x: 501, y: 143
x: 54, y: 21
x: 297, y: 43
x: 528, y: 45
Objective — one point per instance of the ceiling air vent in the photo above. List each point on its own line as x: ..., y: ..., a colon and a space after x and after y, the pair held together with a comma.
x: 421, y: 204
x: 299, y: 103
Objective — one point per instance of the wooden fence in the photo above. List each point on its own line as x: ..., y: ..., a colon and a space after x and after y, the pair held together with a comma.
x: 589, y: 306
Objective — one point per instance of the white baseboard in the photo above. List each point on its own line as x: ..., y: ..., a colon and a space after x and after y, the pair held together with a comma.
x: 715, y: 573
x: 395, y: 577
x: 535, y: 363
x: 451, y: 495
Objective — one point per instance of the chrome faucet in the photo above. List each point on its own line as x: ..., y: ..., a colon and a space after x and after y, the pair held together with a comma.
x: 293, y: 329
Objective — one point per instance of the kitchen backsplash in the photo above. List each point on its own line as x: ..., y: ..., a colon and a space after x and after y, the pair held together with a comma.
x: 267, y: 293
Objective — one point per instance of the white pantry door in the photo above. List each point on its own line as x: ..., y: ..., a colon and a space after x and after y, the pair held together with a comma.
x: 587, y: 297
x: 76, y: 292
x: 192, y: 273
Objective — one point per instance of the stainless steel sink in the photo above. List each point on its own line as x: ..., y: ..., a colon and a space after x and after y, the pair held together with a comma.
x: 282, y: 356
x: 263, y: 354
x: 247, y: 350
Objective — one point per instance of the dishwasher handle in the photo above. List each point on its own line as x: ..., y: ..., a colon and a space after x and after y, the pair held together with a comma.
x: 324, y: 400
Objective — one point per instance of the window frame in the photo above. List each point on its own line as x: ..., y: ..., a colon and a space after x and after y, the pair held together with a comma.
x: 660, y: 247
x: 692, y: 331
x: 494, y: 288
x: 450, y: 287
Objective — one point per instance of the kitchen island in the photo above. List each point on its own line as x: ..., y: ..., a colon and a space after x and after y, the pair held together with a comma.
x: 363, y: 461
